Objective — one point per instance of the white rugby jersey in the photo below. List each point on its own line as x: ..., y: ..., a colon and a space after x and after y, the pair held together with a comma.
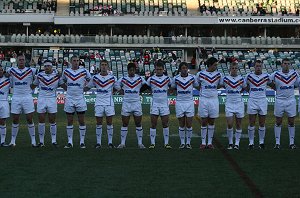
x: 4, y: 88
x: 47, y: 83
x: 209, y: 82
x: 184, y: 86
x: 285, y: 83
x: 104, y: 86
x: 131, y: 87
x: 159, y: 86
x: 233, y: 86
x: 75, y: 81
x: 258, y: 85
x: 21, y: 79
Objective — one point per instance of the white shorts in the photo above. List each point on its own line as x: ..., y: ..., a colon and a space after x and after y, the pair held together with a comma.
x: 236, y: 108
x: 129, y: 108
x: 22, y: 104
x: 160, y: 111
x: 257, y: 106
x: 46, y: 105
x: 208, y: 107
x: 185, y: 109
x: 75, y: 105
x: 104, y: 110
x: 4, y: 109
x: 285, y: 105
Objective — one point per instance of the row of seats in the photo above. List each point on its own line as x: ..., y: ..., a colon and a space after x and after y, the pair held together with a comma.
x: 143, y: 39
x: 128, y: 6
x: 253, y: 40
x: 27, y: 6
x: 253, y: 6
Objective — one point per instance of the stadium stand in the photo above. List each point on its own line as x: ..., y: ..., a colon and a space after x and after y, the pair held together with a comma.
x: 252, y: 7
x: 28, y: 6
x: 119, y: 7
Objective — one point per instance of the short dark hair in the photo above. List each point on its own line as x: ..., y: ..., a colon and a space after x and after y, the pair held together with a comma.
x: 182, y: 64
x: 104, y: 61
x: 130, y: 65
x: 74, y: 56
x: 257, y: 61
x: 47, y: 61
x: 211, y: 61
x: 285, y: 59
x: 160, y: 64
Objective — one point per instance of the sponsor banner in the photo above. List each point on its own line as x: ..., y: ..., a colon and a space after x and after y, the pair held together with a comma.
x: 259, y: 20
x: 91, y: 99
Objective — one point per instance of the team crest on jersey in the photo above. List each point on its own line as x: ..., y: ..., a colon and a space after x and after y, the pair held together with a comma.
x: 75, y: 77
x: 49, y: 81
x: 210, y: 79
x: 158, y: 83
x: 233, y: 84
x: 103, y: 83
x: 258, y: 82
x: 4, y: 83
x: 286, y: 79
x: 184, y: 85
x: 132, y: 84
x: 20, y: 76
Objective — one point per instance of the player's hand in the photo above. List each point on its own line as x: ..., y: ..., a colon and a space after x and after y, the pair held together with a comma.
x: 7, y: 75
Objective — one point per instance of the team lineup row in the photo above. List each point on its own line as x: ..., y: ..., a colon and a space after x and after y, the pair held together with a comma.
x: 76, y: 80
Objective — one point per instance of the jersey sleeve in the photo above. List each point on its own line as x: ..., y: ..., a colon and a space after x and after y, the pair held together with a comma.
x: 222, y: 80
x: 88, y: 75
x: 36, y: 81
x: 148, y: 82
x: 196, y: 83
x: 63, y: 76
x: 91, y: 84
x: 272, y: 76
x: 198, y: 78
x: 118, y: 84
x: 173, y: 83
x: 143, y: 81
x: 246, y: 81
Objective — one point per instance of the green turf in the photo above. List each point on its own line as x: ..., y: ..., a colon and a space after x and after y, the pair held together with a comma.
x: 50, y: 172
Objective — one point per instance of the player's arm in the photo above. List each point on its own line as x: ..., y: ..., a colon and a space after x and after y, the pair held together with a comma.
x: 89, y: 86
x: 118, y: 87
x: 271, y: 82
x: 145, y: 86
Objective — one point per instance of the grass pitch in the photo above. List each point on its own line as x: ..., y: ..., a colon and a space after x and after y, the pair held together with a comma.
x: 50, y: 172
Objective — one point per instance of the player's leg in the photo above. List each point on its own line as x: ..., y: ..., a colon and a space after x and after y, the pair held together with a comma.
x: 189, y: 131
x: 31, y: 128
x: 41, y: 128
x: 181, y: 131
x: 16, y: 110
x: 261, y: 131
x: 210, y: 132
x: 203, y: 114
x: 99, y: 124
x: 277, y: 131
x: 124, y: 130
x: 165, y: 125
x: 53, y: 128
x: 154, y: 119
x: 4, y: 114
x: 110, y: 130
x: 28, y: 108
x: 139, y: 130
x: 70, y: 129
x: 251, y: 130
x: 238, y: 131
x: 82, y: 128
x: 291, y: 113
x: 229, y: 130
x: 3, y: 131
x: 291, y: 128
x: 14, y: 128
x: 229, y: 113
